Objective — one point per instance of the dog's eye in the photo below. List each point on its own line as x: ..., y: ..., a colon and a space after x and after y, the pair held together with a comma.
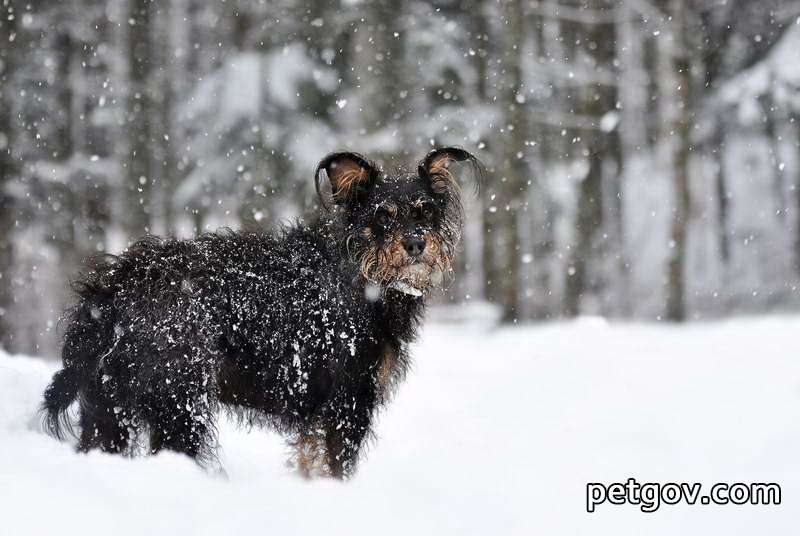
x: 425, y: 212
x: 382, y: 217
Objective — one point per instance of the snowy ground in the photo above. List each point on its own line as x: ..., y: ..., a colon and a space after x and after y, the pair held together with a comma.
x: 495, y: 432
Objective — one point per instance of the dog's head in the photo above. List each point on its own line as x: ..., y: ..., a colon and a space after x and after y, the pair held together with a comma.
x: 400, y: 228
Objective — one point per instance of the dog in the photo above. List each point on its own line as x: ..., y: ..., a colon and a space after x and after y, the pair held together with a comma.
x: 304, y: 330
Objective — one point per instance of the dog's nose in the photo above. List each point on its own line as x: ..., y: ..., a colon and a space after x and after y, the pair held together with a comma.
x: 414, y: 246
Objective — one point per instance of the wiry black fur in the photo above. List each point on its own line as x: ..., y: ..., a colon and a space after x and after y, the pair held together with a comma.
x: 287, y: 329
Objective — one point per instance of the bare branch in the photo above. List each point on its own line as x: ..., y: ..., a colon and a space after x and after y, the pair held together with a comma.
x: 652, y: 15
x: 564, y: 120
x: 575, y: 14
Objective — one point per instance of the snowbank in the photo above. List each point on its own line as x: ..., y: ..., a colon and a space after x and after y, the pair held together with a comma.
x: 496, y: 432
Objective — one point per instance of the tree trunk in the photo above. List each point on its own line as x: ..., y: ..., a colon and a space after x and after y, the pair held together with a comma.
x: 140, y: 132
x: 8, y: 166
x: 795, y: 119
x: 63, y: 234
x: 633, y: 134
x: 773, y: 119
x: 484, y: 51
x: 512, y: 202
x: 681, y: 131
x: 596, y: 100
x: 171, y: 48
x: 588, y: 222
x: 721, y: 192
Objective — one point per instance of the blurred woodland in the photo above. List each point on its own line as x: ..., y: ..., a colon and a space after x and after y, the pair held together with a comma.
x: 643, y: 155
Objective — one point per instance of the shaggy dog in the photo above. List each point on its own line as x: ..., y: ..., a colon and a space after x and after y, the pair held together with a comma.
x: 304, y: 331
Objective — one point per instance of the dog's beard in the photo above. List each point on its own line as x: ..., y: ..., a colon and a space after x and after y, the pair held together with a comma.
x: 418, y: 279
x: 405, y: 288
x: 390, y: 267
x: 415, y: 278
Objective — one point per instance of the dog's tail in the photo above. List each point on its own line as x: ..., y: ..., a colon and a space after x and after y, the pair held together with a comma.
x: 88, y: 334
x: 58, y: 397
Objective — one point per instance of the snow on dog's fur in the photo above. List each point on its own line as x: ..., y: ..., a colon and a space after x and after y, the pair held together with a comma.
x: 304, y: 330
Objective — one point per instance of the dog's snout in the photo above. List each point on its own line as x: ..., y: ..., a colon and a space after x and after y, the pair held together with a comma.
x: 414, y: 246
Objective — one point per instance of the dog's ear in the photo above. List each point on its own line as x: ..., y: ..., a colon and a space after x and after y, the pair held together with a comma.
x: 350, y: 175
x: 436, y: 168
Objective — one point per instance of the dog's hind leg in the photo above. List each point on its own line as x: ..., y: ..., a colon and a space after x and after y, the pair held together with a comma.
x: 181, y: 411
x: 309, y: 452
x: 104, y: 425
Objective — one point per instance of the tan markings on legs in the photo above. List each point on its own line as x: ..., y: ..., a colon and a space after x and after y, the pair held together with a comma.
x: 309, y: 454
x: 386, y: 365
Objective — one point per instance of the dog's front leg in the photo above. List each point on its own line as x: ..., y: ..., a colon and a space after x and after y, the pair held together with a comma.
x: 348, y: 424
x: 342, y: 446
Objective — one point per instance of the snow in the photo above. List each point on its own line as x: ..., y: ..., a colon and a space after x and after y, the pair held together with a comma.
x: 249, y: 80
x: 779, y: 72
x: 496, y: 431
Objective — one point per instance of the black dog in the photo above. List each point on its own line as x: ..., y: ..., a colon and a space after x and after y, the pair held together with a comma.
x: 305, y: 332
